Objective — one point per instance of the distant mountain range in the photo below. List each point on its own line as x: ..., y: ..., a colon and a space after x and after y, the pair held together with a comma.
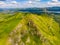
x: 33, y: 10
x: 53, y: 8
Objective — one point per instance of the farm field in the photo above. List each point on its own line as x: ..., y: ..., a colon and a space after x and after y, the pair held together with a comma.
x: 29, y: 29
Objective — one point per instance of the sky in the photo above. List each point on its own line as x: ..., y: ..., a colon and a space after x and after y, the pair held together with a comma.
x: 28, y: 3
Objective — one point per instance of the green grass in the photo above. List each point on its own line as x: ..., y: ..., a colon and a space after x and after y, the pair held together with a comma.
x: 38, y: 29
x: 7, y: 25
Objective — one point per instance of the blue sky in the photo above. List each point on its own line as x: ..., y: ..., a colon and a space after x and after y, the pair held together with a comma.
x: 29, y: 0
x: 28, y: 3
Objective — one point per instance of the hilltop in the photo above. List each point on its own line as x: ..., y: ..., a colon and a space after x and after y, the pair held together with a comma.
x: 29, y: 29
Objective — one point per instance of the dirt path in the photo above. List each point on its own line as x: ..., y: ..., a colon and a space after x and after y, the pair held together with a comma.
x: 9, y: 40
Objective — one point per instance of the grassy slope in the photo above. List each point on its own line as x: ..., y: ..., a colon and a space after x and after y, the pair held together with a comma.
x: 44, y: 24
x: 47, y: 26
x: 7, y: 24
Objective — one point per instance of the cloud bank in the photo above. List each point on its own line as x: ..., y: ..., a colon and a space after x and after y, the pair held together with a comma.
x: 29, y: 3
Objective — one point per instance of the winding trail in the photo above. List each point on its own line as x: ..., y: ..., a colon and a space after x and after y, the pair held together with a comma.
x: 19, y: 25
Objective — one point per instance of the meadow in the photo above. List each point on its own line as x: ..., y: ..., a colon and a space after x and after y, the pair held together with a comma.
x: 22, y: 28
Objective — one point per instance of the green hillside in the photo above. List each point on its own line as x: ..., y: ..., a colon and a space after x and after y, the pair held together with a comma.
x: 29, y: 29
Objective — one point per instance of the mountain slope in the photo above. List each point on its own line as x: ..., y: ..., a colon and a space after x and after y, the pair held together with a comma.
x: 29, y: 29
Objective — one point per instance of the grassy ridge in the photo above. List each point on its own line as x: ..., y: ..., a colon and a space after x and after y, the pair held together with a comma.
x: 7, y: 24
x: 33, y: 29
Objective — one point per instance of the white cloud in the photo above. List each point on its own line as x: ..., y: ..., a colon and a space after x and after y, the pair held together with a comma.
x: 37, y: 0
x: 30, y: 3
x: 1, y: 2
x: 55, y: 0
x: 13, y: 2
x: 10, y: 0
x: 34, y: 0
x: 33, y: 4
x: 54, y: 3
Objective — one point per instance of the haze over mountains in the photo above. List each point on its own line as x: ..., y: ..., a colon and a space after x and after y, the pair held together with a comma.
x: 54, y: 9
